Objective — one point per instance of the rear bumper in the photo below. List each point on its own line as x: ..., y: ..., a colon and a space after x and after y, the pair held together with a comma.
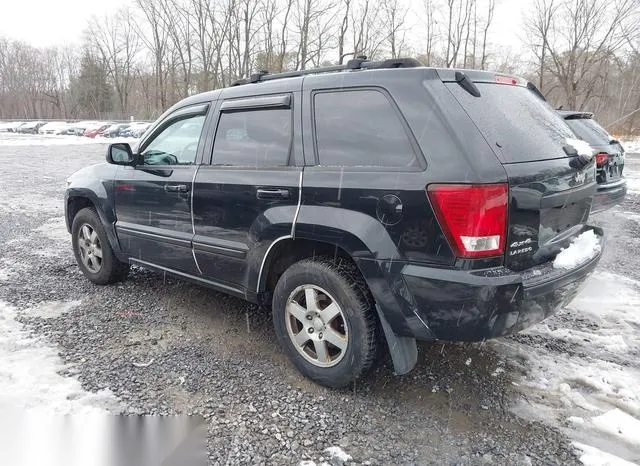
x: 455, y: 305
x: 609, y: 195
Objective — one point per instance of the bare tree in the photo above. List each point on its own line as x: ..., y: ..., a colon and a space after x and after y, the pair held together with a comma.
x: 116, y: 41
x: 394, y: 16
x: 580, y: 36
x: 156, y: 41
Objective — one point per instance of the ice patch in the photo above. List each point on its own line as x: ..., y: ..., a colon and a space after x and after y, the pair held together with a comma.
x: 584, y: 247
x: 591, y: 456
x: 29, y: 378
x: 582, y: 147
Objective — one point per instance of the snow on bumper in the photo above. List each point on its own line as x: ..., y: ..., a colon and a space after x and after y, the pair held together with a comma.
x: 478, y: 305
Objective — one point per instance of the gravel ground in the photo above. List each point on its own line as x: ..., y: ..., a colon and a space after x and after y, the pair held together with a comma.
x: 163, y: 346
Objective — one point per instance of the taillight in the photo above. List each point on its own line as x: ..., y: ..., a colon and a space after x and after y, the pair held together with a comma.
x: 473, y: 217
x: 506, y: 80
x: 601, y: 159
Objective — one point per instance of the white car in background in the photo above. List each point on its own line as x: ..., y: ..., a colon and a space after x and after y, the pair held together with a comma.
x: 11, y: 126
x: 54, y: 127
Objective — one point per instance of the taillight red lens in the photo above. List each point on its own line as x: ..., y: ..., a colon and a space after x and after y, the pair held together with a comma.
x: 601, y: 159
x: 506, y: 80
x: 473, y: 217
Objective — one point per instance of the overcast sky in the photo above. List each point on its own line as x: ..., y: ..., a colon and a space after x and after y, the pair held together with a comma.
x: 55, y: 22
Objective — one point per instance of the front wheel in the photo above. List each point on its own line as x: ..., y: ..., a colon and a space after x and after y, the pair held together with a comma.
x: 324, y: 318
x: 92, y: 249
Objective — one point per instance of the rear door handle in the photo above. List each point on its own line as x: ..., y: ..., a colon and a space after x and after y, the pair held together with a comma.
x: 176, y: 188
x: 273, y: 194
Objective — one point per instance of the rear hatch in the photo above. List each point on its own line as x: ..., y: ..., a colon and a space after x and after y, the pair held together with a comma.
x: 550, y: 193
x: 610, y: 154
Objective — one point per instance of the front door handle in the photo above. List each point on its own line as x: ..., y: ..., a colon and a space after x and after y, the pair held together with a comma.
x: 176, y: 188
x: 273, y: 194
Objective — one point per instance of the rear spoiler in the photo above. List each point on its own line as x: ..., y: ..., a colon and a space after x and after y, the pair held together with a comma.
x: 448, y: 75
x: 467, y: 79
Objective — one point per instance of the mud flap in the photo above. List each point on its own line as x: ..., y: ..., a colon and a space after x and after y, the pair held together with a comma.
x: 404, y: 351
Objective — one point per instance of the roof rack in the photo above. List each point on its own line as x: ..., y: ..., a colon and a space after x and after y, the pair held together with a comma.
x: 354, y: 64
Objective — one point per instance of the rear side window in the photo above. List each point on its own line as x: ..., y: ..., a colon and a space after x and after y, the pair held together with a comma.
x: 518, y: 125
x: 253, y: 138
x: 590, y: 131
x: 360, y: 128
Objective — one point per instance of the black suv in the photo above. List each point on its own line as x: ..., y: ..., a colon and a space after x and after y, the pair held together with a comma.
x: 612, y: 186
x: 367, y: 203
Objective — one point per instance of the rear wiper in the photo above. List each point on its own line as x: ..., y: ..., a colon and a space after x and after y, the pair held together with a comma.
x: 467, y: 84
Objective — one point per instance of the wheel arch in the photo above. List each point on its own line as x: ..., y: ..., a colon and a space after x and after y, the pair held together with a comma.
x: 77, y: 199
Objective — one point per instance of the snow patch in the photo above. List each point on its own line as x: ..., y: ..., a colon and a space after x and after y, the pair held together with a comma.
x: 633, y: 181
x: 631, y: 145
x: 30, y: 379
x: 55, y: 229
x: 591, y: 456
x: 584, y: 247
x: 619, y: 424
x: 582, y: 147
x: 51, y: 309
x: 338, y: 453
x: 13, y: 139
x: 576, y: 369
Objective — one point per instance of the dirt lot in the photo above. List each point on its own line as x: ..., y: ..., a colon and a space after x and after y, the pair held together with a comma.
x: 157, y: 345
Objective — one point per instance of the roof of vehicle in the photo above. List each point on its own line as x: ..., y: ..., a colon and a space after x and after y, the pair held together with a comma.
x: 270, y: 82
x: 575, y: 115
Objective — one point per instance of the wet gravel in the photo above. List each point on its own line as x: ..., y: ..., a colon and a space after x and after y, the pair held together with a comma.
x: 163, y: 346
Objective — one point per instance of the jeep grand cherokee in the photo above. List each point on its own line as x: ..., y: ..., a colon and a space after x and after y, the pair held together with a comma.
x: 371, y: 203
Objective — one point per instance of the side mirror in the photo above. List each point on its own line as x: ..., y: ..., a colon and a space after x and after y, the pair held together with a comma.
x: 120, y: 154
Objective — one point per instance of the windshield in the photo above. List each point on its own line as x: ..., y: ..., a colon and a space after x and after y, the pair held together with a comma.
x: 590, y: 131
x: 517, y: 124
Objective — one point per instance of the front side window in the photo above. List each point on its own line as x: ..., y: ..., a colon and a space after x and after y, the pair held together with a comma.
x: 253, y: 138
x: 177, y: 144
x: 360, y: 128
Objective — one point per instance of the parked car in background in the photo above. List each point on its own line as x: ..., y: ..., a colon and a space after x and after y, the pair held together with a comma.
x: 114, y: 130
x: 5, y: 126
x: 54, y: 127
x: 12, y: 126
x: 93, y: 131
x: 30, y: 127
x: 78, y: 128
x: 375, y: 203
x: 612, y: 185
x: 135, y: 130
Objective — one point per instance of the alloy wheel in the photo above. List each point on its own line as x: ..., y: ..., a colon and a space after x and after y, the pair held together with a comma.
x: 316, y: 325
x: 90, y: 248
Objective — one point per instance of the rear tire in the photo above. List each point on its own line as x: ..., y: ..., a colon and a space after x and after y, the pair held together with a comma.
x: 325, y: 321
x: 93, y: 251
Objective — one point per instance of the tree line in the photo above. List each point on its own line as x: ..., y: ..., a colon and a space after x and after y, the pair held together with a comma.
x: 137, y: 61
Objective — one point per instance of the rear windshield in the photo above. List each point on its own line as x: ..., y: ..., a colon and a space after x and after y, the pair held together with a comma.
x: 518, y: 125
x: 590, y: 131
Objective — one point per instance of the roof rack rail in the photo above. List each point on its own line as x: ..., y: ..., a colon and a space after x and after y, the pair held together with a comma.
x: 354, y: 64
